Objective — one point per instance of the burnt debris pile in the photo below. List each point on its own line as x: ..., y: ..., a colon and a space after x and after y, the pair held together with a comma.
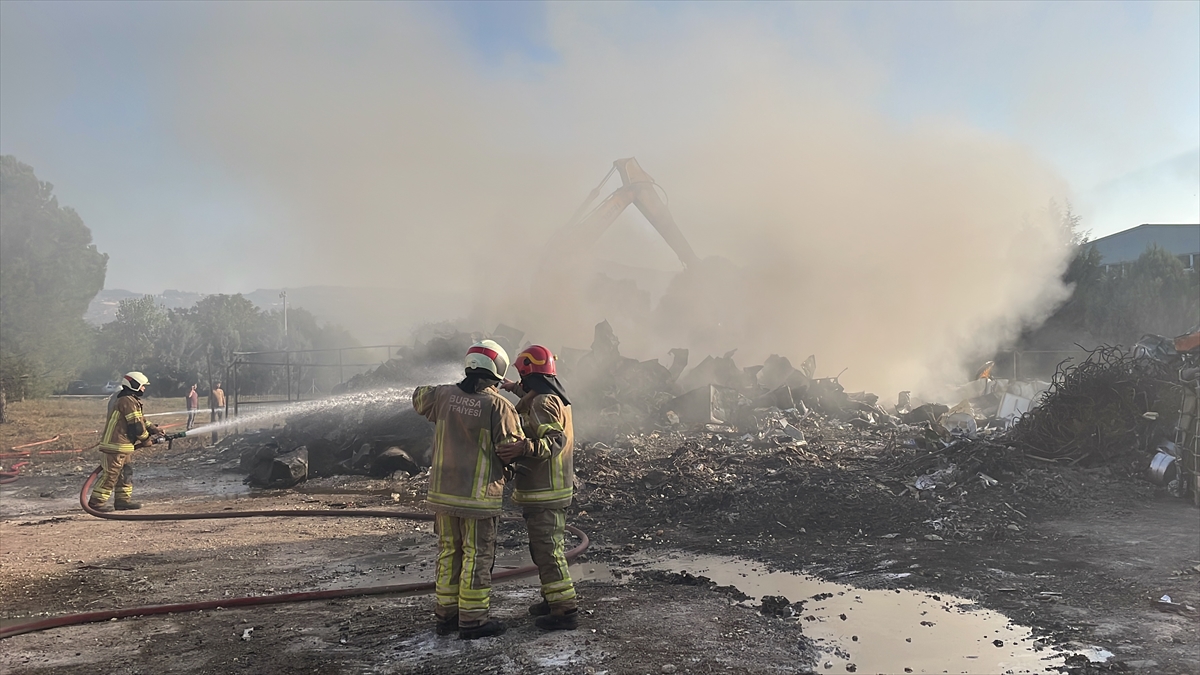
x: 679, y: 440
x: 618, y: 395
x: 373, y: 435
x: 814, y: 476
x: 372, y: 430
x: 1109, y: 408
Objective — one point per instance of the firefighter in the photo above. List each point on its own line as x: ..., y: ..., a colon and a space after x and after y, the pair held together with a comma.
x: 124, y: 430
x: 466, y: 485
x: 544, y: 482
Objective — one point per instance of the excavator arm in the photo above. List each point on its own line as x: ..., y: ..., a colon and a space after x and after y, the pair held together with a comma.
x: 637, y: 188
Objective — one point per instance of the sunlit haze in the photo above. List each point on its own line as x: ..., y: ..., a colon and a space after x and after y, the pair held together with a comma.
x: 876, y: 175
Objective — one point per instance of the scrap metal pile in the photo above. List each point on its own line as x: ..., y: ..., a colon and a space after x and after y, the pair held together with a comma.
x: 1108, y: 408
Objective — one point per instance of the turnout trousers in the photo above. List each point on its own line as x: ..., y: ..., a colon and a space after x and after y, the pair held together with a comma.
x: 547, y: 536
x: 117, y: 475
x: 466, y: 554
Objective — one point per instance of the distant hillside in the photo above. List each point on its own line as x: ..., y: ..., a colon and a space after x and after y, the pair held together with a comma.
x: 104, y: 306
x: 372, y: 315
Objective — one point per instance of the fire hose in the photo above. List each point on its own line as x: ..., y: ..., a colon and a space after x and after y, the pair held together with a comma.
x: 7, y: 477
x: 30, y: 445
x: 250, y: 601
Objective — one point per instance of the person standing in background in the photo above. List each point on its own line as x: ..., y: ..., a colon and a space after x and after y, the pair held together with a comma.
x: 193, y: 404
x: 216, y: 407
x: 216, y: 403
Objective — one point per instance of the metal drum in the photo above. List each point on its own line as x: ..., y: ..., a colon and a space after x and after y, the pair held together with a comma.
x: 1163, y: 468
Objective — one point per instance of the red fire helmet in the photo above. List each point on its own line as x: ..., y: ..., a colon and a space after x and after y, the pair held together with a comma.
x: 535, y: 359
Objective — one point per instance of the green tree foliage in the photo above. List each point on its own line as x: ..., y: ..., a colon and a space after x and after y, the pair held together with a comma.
x: 49, y: 271
x: 180, y: 347
x: 129, y: 340
x: 1155, y: 294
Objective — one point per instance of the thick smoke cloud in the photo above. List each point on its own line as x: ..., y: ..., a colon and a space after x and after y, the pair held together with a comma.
x: 894, y: 252
x: 387, y: 156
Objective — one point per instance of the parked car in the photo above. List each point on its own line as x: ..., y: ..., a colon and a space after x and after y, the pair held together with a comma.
x: 77, y: 387
x: 103, y: 389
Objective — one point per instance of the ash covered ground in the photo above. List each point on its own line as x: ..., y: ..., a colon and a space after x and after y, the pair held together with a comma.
x: 1074, y: 551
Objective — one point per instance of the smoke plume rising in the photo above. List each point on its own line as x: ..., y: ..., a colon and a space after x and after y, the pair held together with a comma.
x: 388, y: 157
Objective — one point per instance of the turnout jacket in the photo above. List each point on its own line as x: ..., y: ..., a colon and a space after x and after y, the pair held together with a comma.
x: 125, y: 426
x: 546, y: 475
x: 467, y: 478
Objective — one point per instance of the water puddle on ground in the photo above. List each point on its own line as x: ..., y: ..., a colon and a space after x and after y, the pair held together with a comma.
x: 861, y: 630
x: 855, y: 629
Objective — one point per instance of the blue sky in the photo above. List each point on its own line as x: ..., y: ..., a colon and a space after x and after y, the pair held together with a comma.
x: 103, y: 99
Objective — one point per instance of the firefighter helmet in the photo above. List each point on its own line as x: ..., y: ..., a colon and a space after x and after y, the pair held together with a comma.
x: 535, y: 359
x: 135, y: 381
x: 488, y: 355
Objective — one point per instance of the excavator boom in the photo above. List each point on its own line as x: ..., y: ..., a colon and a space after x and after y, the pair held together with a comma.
x: 637, y: 188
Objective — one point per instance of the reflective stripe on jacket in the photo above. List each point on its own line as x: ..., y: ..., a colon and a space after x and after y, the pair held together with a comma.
x: 547, y: 475
x: 125, y: 425
x: 467, y: 478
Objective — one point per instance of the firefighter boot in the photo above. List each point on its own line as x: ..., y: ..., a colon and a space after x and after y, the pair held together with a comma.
x: 568, y: 620
x: 492, y: 627
x: 446, y: 626
x: 126, y: 504
x: 540, y: 609
x: 101, y: 506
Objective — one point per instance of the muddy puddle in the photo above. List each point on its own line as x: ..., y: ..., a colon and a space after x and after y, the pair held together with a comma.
x: 868, y: 630
x: 855, y: 629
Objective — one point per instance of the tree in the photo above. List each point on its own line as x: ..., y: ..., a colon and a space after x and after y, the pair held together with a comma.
x: 49, y: 271
x: 179, y: 354
x: 1153, y: 295
x: 128, y: 342
x: 229, y: 323
x: 1158, y: 296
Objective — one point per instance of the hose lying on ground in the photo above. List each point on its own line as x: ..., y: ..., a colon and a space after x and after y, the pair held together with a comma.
x: 30, y: 445
x: 249, y: 601
x: 7, y: 477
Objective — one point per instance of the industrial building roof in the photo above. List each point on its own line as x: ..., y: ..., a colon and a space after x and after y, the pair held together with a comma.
x: 1127, y: 245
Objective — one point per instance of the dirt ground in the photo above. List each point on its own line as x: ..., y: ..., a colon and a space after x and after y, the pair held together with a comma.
x: 1077, y: 556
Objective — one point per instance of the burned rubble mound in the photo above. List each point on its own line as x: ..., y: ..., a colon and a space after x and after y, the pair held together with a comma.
x: 1109, y: 408
x: 920, y: 473
x: 374, y: 436
x: 843, y: 480
x: 372, y: 430
x: 799, y: 440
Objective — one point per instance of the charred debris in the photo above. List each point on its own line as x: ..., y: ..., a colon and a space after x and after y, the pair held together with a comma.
x: 1117, y: 409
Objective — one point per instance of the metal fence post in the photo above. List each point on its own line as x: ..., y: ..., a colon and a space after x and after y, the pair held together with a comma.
x: 236, y: 397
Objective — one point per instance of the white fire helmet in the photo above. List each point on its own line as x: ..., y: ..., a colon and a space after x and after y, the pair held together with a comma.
x: 488, y: 355
x: 135, y: 381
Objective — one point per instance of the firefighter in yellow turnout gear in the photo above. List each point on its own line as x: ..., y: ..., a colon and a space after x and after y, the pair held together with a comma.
x: 466, y: 486
x: 545, y: 482
x: 125, y: 429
